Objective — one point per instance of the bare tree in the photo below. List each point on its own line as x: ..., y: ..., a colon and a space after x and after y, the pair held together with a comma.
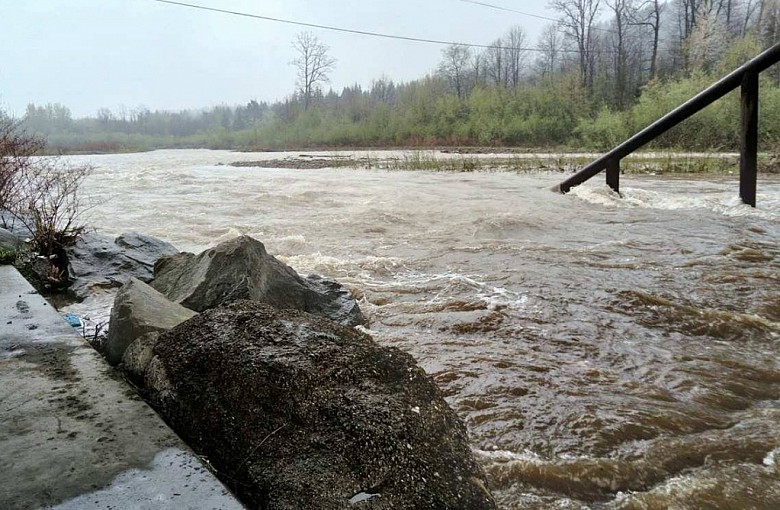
x: 549, y: 46
x: 313, y: 64
x: 42, y: 195
x: 577, y: 19
x: 621, y: 10
x: 755, y: 11
x: 478, y: 69
x: 706, y: 42
x: 16, y: 151
x: 648, y: 14
x: 515, y: 53
x: 454, y: 66
x: 494, y: 63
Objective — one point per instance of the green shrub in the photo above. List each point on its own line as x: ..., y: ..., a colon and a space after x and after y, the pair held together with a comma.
x: 7, y: 256
x: 604, y: 132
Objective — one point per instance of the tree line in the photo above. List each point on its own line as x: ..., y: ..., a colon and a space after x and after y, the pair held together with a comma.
x: 605, y: 69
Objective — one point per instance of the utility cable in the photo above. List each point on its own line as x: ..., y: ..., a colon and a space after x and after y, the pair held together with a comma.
x: 507, y: 9
x: 538, y: 16
x: 353, y: 31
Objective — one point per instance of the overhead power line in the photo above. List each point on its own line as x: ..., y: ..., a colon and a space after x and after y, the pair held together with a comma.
x: 538, y: 16
x: 506, y: 9
x: 350, y: 30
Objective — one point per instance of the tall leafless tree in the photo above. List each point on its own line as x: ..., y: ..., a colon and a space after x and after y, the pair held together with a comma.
x: 621, y: 11
x: 455, y: 65
x: 648, y: 14
x: 550, y: 45
x: 578, y: 18
x: 314, y: 64
x: 494, y: 62
x: 515, y: 54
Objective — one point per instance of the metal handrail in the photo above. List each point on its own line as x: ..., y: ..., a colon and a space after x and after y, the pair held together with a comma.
x: 745, y: 76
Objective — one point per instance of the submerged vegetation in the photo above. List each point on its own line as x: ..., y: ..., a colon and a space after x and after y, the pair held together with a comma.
x: 473, y: 160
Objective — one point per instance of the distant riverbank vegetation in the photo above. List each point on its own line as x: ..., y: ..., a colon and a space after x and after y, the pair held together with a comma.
x: 584, y: 85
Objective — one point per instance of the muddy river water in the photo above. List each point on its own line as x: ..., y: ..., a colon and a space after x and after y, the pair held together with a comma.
x: 604, y: 352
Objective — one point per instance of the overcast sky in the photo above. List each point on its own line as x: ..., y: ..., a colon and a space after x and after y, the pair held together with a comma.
x: 88, y: 54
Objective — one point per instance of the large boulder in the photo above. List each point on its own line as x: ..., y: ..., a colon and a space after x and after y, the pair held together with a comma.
x: 296, y: 411
x: 138, y: 310
x: 99, y: 261
x: 242, y: 269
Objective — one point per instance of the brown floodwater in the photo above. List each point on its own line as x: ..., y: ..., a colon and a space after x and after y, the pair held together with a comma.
x: 604, y: 352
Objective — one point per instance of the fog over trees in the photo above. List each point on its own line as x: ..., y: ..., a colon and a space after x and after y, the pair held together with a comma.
x: 605, y: 70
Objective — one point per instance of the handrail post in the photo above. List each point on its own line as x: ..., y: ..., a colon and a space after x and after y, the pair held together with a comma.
x: 613, y: 174
x: 748, y: 161
x: 747, y: 77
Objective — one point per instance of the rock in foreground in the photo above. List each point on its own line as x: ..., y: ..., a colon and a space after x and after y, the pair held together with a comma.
x: 242, y: 269
x: 298, y: 412
x: 139, y: 309
x: 99, y: 261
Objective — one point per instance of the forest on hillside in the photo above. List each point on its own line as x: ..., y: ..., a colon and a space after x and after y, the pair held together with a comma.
x: 604, y: 70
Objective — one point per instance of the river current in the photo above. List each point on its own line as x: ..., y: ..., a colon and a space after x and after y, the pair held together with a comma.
x: 604, y: 352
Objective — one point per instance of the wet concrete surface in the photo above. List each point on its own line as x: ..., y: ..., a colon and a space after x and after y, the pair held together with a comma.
x: 72, y: 433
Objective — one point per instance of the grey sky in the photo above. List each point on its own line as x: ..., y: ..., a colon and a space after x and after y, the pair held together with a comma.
x: 88, y: 54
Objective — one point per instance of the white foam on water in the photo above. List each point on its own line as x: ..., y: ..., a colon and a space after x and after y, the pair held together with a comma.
x: 446, y: 288
x: 672, y: 491
x: 499, y: 298
x: 725, y: 202
x: 291, y: 239
x: 771, y: 460
x: 319, y: 263
x: 507, y: 467
x: 497, y: 455
x: 231, y: 233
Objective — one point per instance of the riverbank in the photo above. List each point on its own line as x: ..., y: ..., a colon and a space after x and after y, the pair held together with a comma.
x: 73, y: 435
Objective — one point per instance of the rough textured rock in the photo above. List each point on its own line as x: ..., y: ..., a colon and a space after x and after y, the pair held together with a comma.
x: 138, y: 356
x: 242, y: 269
x: 99, y: 261
x: 297, y: 411
x: 139, y: 309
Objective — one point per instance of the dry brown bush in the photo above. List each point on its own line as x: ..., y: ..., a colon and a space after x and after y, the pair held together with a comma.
x: 41, y: 195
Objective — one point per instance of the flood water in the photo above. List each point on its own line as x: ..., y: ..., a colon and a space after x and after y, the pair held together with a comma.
x: 604, y: 352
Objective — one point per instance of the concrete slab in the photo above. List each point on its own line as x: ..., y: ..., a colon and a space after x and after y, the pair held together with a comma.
x: 73, y: 435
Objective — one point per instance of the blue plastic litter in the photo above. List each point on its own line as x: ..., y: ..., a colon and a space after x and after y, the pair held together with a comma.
x: 73, y: 320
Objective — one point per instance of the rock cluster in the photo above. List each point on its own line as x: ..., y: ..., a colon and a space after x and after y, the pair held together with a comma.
x: 291, y: 405
x: 241, y: 268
